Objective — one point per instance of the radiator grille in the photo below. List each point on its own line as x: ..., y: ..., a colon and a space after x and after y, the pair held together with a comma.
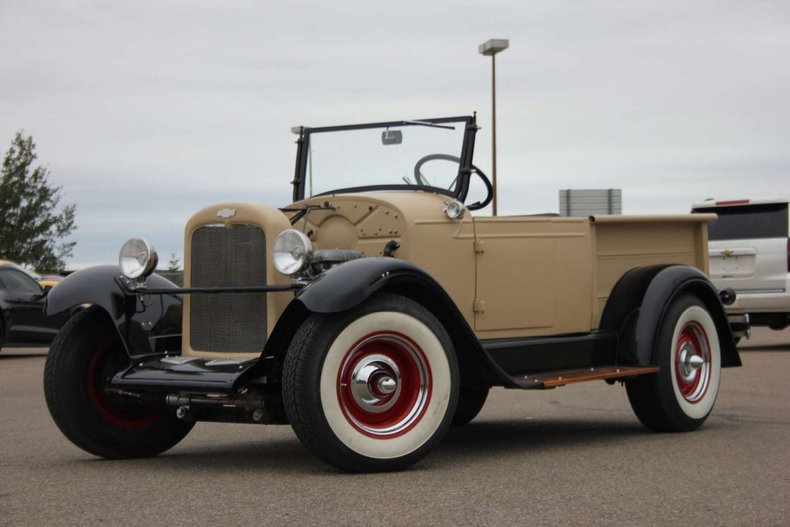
x: 228, y: 256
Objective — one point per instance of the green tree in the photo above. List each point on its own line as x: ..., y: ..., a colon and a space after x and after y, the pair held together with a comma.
x: 174, y: 264
x: 32, y: 231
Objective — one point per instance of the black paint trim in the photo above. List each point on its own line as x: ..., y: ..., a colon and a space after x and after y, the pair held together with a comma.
x: 132, y: 289
x: 626, y: 296
x: 464, y: 166
x: 638, y: 303
x: 144, y: 329
x: 384, y: 124
x: 373, y: 188
x: 193, y: 375
x: 543, y: 354
x: 345, y: 286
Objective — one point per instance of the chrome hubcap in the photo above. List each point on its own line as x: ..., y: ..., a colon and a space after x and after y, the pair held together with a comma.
x: 689, y: 362
x: 387, y: 385
x: 692, y: 362
x: 384, y: 384
x: 375, y: 383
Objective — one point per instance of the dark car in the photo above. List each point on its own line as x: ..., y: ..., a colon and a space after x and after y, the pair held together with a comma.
x: 22, y: 319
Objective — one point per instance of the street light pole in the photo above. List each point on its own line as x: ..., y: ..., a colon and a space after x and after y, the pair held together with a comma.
x: 492, y: 47
x: 493, y: 131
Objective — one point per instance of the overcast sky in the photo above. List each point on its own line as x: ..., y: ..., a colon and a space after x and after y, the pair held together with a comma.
x: 145, y: 112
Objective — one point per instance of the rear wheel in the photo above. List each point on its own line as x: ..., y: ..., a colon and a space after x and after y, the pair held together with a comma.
x: 371, y: 389
x: 82, y: 360
x: 681, y: 395
x: 470, y: 402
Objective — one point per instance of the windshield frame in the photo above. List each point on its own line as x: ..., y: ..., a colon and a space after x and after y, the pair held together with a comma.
x: 464, y: 167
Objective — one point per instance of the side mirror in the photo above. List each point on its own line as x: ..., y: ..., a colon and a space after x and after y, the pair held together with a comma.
x: 40, y: 296
x: 391, y: 137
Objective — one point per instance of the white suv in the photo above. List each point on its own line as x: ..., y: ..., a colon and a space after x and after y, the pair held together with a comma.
x: 749, y: 248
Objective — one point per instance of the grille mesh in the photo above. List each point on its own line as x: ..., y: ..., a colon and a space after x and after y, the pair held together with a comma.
x: 228, y: 256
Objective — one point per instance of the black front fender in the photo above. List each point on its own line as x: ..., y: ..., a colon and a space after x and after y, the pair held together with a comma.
x: 350, y: 284
x: 148, y: 324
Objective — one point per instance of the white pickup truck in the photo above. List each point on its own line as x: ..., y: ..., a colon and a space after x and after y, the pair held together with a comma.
x: 749, y: 246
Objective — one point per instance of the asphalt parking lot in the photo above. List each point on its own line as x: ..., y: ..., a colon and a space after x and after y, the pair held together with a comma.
x: 570, y: 456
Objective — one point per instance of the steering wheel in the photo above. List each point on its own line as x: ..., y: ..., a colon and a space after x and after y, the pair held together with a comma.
x: 422, y: 180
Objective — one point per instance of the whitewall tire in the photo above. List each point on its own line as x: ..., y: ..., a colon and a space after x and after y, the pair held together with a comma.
x: 374, y: 388
x: 681, y: 395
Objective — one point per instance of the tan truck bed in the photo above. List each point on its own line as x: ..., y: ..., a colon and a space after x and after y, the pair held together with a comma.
x: 621, y: 243
x: 568, y: 267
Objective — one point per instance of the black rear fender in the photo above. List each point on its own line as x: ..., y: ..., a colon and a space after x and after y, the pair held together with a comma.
x: 146, y: 326
x: 640, y: 299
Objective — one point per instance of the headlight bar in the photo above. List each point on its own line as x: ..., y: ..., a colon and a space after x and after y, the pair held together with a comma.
x: 134, y: 287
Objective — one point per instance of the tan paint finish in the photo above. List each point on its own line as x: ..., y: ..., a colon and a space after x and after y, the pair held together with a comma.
x: 272, y: 221
x: 509, y: 276
x: 429, y: 239
x: 534, y: 276
x: 624, y: 242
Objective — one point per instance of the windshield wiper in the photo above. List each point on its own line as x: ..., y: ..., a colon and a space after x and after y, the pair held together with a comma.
x: 301, y: 212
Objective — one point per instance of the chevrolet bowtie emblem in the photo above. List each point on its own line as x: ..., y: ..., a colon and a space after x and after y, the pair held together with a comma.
x: 226, y: 213
x: 727, y: 252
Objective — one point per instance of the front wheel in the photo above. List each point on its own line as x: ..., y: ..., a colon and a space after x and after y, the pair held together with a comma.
x: 681, y: 395
x: 374, y: 388
x: 83, y: 358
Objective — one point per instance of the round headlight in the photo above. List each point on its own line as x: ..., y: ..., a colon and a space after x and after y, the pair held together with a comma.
x: 138, y: 258
x: 454, y: 209
x: 292, y: 252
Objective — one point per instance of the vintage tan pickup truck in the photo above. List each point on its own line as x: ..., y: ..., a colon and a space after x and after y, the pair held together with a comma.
x: 377, y: 310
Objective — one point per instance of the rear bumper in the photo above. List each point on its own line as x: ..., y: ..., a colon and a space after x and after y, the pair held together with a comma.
x: 760, y: 303
x: 740, y: 325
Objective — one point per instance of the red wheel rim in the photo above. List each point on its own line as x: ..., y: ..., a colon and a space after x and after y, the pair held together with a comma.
x: 384, y: 385
x: 692, y: 362
x: 124, y: 416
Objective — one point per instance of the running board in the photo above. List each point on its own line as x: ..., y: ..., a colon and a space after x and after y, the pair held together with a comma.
x: 183, y: 373
x: 205, y: 375
x: 554, y: 379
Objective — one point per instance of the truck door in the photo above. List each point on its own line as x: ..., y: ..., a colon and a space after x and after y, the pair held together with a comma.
x: 534, y: 276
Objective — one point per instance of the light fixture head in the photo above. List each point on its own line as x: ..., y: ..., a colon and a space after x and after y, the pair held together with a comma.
x: 454, y: 209
x: 137, y: 259
x: 493, y: 46
x: 292, y: 252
